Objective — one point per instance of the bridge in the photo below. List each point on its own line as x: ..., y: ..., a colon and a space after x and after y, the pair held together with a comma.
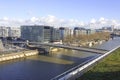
x: 86, y: 49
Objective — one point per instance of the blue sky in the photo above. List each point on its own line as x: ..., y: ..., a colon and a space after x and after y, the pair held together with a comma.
x: 83, y: 10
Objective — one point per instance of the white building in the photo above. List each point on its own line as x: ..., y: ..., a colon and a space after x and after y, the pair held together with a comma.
x: 79, y: 31
x: 9, y: 31
x: 64, y: 32
x: 4, y: 31
x: 14, y: 32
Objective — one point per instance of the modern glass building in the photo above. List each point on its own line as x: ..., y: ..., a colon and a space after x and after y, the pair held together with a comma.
x: 38, y: 33
x: 64, y: 32
x: 55, y: 35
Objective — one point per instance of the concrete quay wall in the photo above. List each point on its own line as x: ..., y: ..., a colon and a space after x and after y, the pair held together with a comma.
x: 17, y: 55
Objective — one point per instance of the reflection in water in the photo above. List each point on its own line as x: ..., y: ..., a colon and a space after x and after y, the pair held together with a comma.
x: 50, y: 59
x: 67, y: 53
x: 71, y: 53
x: 45, y: 67
x: 42, y: 67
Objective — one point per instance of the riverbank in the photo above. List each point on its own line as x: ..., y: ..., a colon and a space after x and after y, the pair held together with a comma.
x: 16, y: 55
x: 107, y: 69
x: 87, y: 40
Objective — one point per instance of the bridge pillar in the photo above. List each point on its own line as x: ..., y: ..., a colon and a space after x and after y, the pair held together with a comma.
x: 44, y: 50
x: 47, y: 49
x: 27, y: 42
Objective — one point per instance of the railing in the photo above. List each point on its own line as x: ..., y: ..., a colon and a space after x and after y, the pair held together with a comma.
x: 82, y: 67
x: 86, y: 49
x: 72, y: 69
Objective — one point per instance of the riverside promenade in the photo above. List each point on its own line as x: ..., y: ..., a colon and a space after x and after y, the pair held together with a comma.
x: 109, y: 45
x: 77, y: 71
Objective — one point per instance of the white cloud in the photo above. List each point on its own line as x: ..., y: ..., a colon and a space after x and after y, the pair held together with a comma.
x: 93, y: 21
x: 34, y: 19
x: 5, y: 19
x: 81, y: 23
x: 54, y: 21
x: 101, y: 19
x: 50, y: 19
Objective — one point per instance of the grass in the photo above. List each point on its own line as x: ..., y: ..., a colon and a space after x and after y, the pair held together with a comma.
x: 107, y: 69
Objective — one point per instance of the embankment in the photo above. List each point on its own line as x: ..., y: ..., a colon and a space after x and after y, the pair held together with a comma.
x: 17, y: 55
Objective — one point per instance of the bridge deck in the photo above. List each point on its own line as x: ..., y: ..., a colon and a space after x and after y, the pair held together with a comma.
x: 86, y: 49
x: 93, y: 50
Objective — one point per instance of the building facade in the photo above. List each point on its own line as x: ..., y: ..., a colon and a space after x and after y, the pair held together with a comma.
x: 9, y: 31
x: 79, y: 31
x: 90, y: 31
x: 108, y: 29
x: 39, y: 33
x: 55, y: 35
x: 14, y: 32
x: 4, y: 31
x: 82, y: 31
x: 64, y: 32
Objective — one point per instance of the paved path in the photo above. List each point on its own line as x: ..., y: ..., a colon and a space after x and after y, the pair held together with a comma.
x: 110, y: 44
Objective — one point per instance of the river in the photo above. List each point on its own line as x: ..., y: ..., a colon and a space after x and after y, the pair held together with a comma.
x: 45, y: 67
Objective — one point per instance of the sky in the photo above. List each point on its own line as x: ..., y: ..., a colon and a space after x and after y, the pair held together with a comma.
x: 65, y: 11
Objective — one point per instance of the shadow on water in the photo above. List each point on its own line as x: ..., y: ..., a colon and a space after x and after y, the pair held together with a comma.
x: 32, y: 69
x: 63, y: 59
x: 43, y: 67
x: 114, y: 75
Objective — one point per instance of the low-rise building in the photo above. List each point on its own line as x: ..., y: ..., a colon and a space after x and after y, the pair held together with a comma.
x: 14, y: 32
x: 108, y: 29
x: 9, y: 31
x: 82, y: 31
x: 4, y: 31
x: 90, y: 31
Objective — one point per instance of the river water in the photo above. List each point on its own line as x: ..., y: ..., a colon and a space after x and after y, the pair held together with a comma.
x: 45, y: 67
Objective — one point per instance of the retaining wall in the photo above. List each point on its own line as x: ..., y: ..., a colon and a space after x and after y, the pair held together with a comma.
x: 17, y: 55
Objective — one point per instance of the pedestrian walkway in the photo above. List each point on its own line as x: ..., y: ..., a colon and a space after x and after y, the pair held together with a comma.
x: 109, y: 45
